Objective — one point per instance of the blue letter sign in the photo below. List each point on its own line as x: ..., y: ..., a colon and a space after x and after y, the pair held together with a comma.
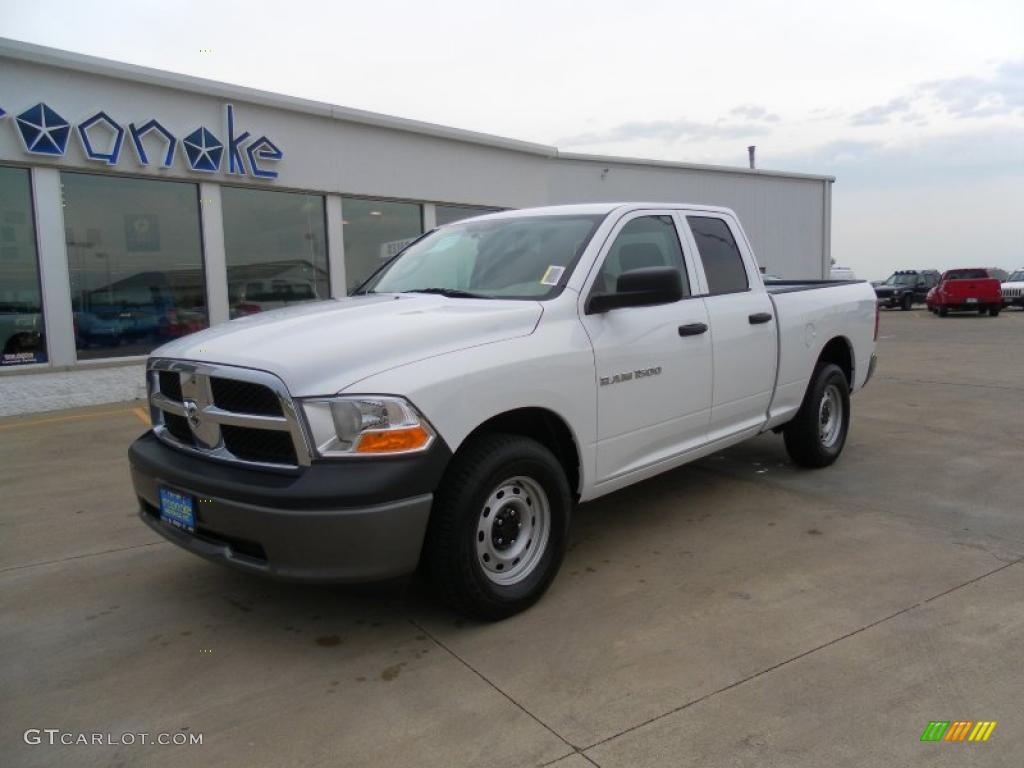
x: 44, y: 132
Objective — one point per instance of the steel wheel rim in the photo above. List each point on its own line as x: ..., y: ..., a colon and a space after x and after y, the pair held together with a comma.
x: 512, y: 530
x: 830, y: 416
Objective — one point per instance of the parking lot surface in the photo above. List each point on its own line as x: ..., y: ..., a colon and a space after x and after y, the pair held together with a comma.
x: 736, y: 612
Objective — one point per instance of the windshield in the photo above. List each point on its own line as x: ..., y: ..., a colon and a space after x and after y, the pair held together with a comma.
x: 510, y: 258
x: 966, y: 274
x: 1016, y: 277
x: 901, y: 280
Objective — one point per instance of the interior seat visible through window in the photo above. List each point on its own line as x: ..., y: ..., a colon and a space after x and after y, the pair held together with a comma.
x: 646, y: 241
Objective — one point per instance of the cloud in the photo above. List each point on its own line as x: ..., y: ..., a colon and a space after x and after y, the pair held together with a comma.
x: 663, y: 130
x: 941, y: 160
x: 881, y: 113
x: 755, y: 112
x: 1000, y: 93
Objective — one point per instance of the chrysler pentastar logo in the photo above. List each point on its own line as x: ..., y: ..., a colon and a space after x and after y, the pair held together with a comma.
x: 203, y: 150
x: 43, y: 131
x: 192, y: 413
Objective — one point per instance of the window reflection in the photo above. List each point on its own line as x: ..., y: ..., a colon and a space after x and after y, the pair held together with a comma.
x: 135, y: 262
x: 276, y: 248
x: 22, y: 338
x: 446, y: 214
x: 375, y: 230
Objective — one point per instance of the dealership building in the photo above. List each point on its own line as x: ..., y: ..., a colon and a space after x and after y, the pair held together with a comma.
x: 138, y: 205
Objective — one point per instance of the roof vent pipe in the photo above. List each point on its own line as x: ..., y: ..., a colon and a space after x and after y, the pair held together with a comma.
x: 750, y: 151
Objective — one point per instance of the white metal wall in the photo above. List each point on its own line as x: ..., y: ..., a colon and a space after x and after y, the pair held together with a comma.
x: 785, y: 218
x: 341, y: 152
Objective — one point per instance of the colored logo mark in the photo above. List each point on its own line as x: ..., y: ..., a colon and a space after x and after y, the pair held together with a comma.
x: 203, y: 150
x: 43, y: 131
x: 958, y: 730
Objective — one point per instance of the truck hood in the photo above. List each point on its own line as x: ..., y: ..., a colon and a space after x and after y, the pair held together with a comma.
x: 322, y: 347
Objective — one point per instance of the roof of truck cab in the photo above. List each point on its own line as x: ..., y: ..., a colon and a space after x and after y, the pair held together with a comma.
x: 592, y: 209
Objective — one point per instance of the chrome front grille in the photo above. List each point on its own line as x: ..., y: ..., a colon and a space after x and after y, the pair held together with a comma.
x: 1012, y: 293
x: 231, y: 414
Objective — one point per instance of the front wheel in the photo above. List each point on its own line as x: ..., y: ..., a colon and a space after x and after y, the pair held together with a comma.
x: 498, y: 528
x: 816, y: 436
x: 907, y: 302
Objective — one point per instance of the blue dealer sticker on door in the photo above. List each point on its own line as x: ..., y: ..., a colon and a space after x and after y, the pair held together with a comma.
x: 177, y: 509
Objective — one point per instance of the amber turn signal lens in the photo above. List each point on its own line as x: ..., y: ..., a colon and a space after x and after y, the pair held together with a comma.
x: 393, y: 440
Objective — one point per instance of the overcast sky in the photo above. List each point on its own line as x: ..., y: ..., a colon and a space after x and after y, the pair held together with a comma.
x: 916, y: 107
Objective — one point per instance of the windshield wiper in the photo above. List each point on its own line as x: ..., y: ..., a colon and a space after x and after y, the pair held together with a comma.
x: 451, y: 293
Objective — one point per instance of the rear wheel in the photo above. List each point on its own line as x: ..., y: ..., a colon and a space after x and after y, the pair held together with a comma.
x: 982, y: 310
x: 994, y: 311
x: 943, y: 311
x: 816, y: 436
x: 498, y: 528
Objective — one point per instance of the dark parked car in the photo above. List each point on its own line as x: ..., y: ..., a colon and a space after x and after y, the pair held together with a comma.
x: 906, y: 287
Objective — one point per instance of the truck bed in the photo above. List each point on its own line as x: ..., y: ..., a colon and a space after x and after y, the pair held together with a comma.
x: 806, y: 314
x: 790, y: 286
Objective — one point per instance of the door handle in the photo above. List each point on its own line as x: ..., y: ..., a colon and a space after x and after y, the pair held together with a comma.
x: 760, y: 317
x: 693, y: 329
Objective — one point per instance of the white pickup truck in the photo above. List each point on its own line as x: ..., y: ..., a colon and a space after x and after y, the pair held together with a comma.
x: 482, y: 382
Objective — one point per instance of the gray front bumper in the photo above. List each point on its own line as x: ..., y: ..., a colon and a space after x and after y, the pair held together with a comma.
x: 322, y: 545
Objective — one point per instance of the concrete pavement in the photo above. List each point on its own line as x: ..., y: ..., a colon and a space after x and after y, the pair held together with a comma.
x: 735, y: 612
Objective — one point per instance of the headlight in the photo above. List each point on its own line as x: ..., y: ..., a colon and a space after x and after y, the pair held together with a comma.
x: 366, y: 425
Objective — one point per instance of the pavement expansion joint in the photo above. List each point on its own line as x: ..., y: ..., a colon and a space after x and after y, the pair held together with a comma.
x: 11, y: 568
x: 799, y: 656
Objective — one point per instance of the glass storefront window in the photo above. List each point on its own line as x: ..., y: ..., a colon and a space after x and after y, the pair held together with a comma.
x: 22, y: 337
x: 446, y: 214
x: 135, y: 259
x: 375, y: 230
x: 276, y: 248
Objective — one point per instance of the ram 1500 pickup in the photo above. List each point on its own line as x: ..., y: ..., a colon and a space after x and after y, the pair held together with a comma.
x: 499, y: 370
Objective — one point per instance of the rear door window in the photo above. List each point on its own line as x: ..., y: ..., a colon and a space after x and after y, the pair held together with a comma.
x: 723, y: 263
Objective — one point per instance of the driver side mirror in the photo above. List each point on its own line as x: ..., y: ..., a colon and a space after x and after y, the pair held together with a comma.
x: 639, y: 288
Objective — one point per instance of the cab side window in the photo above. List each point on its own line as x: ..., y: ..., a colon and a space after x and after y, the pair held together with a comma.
x: 723, y: 263
x: 646, y: 241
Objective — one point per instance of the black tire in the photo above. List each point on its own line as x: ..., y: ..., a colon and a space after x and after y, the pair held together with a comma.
x: 458, y: 520
x: 982, y: 310
x: 943, y: 311
x: 993, y: 311
x: 805, y: 441
x: 906, y: 302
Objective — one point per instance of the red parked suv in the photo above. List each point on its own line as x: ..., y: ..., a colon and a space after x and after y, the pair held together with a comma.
x: 966, y: 290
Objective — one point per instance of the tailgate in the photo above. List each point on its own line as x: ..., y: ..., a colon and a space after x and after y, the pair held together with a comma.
x: 810, y: 314
x: 979, y: 288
